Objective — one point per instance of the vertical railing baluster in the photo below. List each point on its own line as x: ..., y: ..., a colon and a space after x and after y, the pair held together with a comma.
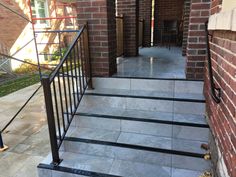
x: 65, y: 93
x: 80, y: 83
x: 1, y: 141
x: 76, y: 76
x: 61, y: 102
x: 56, y: 106
x: 69, y: 88
x: 72, y: 78
x: 51, y: 121
x: 82, y: 64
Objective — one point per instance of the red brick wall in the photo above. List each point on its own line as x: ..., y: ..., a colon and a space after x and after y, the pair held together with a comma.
x: 196, y: 47
x: 100, y: 15
x: 11, y: 24
x: 3, y: 48
x: 186, y: 12
x: 130, y: 10
x: 222, y: 116
x: 145, y: 13
x: 166, y: 10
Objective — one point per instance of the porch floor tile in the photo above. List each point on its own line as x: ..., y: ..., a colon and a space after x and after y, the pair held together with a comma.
x: 153, y: 62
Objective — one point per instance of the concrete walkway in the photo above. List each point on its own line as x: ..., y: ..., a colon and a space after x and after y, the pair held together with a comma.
x: 27, y: 137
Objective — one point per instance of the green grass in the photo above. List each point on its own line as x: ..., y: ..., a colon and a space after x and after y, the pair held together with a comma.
x: 18, y: 83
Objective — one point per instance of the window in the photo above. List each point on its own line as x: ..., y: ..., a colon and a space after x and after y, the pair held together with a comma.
x: 40, y: 10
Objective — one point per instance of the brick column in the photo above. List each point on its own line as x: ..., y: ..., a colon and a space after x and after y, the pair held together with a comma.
x: 100, y: 15
x: 185, y: 26
x: 196, y: 47
x: 129, y: 9
x: 145, y: 13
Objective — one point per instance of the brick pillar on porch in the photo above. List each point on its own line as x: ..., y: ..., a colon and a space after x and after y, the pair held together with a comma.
x: 100, y: 15
x: 130, y: 10
x: 196, y: 47
x: 187, y: 4
x: 145, y: 13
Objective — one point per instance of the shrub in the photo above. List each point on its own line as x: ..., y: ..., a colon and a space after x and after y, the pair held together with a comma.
x: 26, y: 68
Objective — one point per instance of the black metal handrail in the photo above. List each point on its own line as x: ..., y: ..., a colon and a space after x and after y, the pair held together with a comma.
x: 215, y: 95
x: 64, y: 89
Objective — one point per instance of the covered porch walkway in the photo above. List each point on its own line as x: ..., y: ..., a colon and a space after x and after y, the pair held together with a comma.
x: 153, y: 62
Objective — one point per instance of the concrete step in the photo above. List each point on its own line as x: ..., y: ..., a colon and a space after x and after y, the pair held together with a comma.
x: 144, y: 104
x: 171, y: 138
x: 81, y: 165
x: 136, y: 128
x: 197, y: 132
x: 129, y: 114
x: 176, y: 86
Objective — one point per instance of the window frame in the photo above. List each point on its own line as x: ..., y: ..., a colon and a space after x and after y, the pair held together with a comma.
x: 35, y: 8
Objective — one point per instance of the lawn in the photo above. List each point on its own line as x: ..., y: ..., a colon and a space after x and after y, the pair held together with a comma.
x: 18, y: 83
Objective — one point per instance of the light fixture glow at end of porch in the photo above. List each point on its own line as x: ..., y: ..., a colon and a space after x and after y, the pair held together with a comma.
x: 151, y: 60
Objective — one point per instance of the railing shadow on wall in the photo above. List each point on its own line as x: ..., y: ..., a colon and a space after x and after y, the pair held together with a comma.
x: 64, y: 89
x: 215, y: 92
x: 120, y: 35
x: 141, y: 33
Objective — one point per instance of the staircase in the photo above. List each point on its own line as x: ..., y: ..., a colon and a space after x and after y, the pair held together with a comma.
x: 135, y: 128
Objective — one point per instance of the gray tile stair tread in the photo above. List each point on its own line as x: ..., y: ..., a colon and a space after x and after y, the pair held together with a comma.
x: 128, y: 168
x: 161, y: 105
x: 96, y: 134
x: 135, y: 155
x: 136, y: 169
x: 86, y: 162
x: 141, y: 127
x: 167, y: 116
x: 139, y: 139
x: 145, y: 93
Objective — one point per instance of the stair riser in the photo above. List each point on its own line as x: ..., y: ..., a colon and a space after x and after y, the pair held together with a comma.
x: 52, y: 173
x: 144, y: 104
x: 157, y: 129
x: 134, y: 155
x: 176, y: 86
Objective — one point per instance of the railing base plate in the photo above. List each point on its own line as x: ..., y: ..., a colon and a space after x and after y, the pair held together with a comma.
x: 4, y: 148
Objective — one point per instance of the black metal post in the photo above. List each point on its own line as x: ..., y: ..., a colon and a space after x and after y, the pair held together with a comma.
x: 87, y: 56
x: 1, y: 142
x: 51, y: 120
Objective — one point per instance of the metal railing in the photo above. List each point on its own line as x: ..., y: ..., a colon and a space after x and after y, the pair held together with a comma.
x: 38, y: 65
x: 64, y: 89
x: 215, y: 95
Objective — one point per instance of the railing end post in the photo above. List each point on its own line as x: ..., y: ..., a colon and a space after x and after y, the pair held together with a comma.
x: 56, y: 162
x: 2, y: 146
x: 51, y: 121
